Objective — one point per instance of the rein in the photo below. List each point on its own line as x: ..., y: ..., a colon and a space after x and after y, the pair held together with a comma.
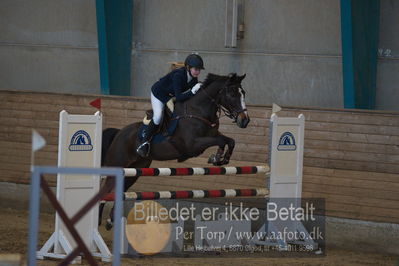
x: 234, y: 114
x: 206, y: 121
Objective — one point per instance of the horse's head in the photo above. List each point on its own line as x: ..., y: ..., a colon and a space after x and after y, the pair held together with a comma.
x: 232, y: 99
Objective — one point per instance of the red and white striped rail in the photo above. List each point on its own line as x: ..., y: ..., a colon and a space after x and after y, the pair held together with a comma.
x: 244, y: 170
x: 191, y: 194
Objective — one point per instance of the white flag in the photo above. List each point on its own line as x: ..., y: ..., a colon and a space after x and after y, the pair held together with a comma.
x: 38, y: 141
x: 276, y: 108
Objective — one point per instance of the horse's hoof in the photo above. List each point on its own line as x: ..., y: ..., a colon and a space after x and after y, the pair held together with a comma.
x: 215, y: 159
x: 224, y: 162
x: 109, y: 225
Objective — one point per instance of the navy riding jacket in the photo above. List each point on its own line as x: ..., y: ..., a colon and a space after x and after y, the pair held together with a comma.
x: 174, y: 84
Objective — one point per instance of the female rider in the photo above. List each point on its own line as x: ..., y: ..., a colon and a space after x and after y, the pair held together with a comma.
x: 181, y: 83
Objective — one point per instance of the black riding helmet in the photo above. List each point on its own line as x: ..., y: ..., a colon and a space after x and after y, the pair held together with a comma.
x: 194, y: 60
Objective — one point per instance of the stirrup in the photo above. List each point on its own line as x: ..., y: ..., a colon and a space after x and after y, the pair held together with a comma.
x: 141, y: 149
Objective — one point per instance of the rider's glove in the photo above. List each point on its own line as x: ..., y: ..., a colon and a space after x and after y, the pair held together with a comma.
x: 196, y: 87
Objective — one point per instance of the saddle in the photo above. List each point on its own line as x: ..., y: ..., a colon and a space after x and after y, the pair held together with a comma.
x: 168, y: 124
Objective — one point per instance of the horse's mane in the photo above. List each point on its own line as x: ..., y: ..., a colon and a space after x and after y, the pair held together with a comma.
x: 212, y: 78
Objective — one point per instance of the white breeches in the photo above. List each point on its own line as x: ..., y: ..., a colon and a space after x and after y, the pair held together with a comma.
x: 157, y: 107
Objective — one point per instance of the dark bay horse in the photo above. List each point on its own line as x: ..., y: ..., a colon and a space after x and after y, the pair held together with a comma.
x: 197, y: 130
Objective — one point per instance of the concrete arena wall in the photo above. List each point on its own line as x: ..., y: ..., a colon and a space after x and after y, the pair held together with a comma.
x: 351, y: 157
x: 291, y: 50
x: 284, y: 56
x: 49, y: 46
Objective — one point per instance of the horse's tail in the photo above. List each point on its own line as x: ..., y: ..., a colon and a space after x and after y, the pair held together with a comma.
x: 108, y: 136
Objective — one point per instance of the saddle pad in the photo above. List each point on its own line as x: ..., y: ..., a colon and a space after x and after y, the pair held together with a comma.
x: 161, y: 136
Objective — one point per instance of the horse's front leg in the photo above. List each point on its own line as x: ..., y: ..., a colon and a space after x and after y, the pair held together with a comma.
x: 201, y: 144
x: 230, y: 147
x: 221, y: 158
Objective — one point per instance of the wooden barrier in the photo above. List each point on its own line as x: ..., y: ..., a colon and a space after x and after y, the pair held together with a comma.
x: 351, y: 158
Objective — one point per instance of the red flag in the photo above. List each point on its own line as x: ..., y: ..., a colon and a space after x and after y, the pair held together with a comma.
x: 96, y: 103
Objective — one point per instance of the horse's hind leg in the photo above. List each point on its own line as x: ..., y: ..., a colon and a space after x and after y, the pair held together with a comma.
x: 100, y: 212
x: 109, y: 184
x: 129, y: 181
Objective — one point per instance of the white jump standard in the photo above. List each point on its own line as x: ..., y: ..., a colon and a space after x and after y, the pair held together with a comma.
x: 79, y: 145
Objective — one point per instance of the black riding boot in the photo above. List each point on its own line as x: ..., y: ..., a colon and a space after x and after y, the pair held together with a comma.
x: 144, y: 148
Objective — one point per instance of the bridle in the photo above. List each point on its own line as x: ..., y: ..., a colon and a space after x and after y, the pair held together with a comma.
x: 233, y: 114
